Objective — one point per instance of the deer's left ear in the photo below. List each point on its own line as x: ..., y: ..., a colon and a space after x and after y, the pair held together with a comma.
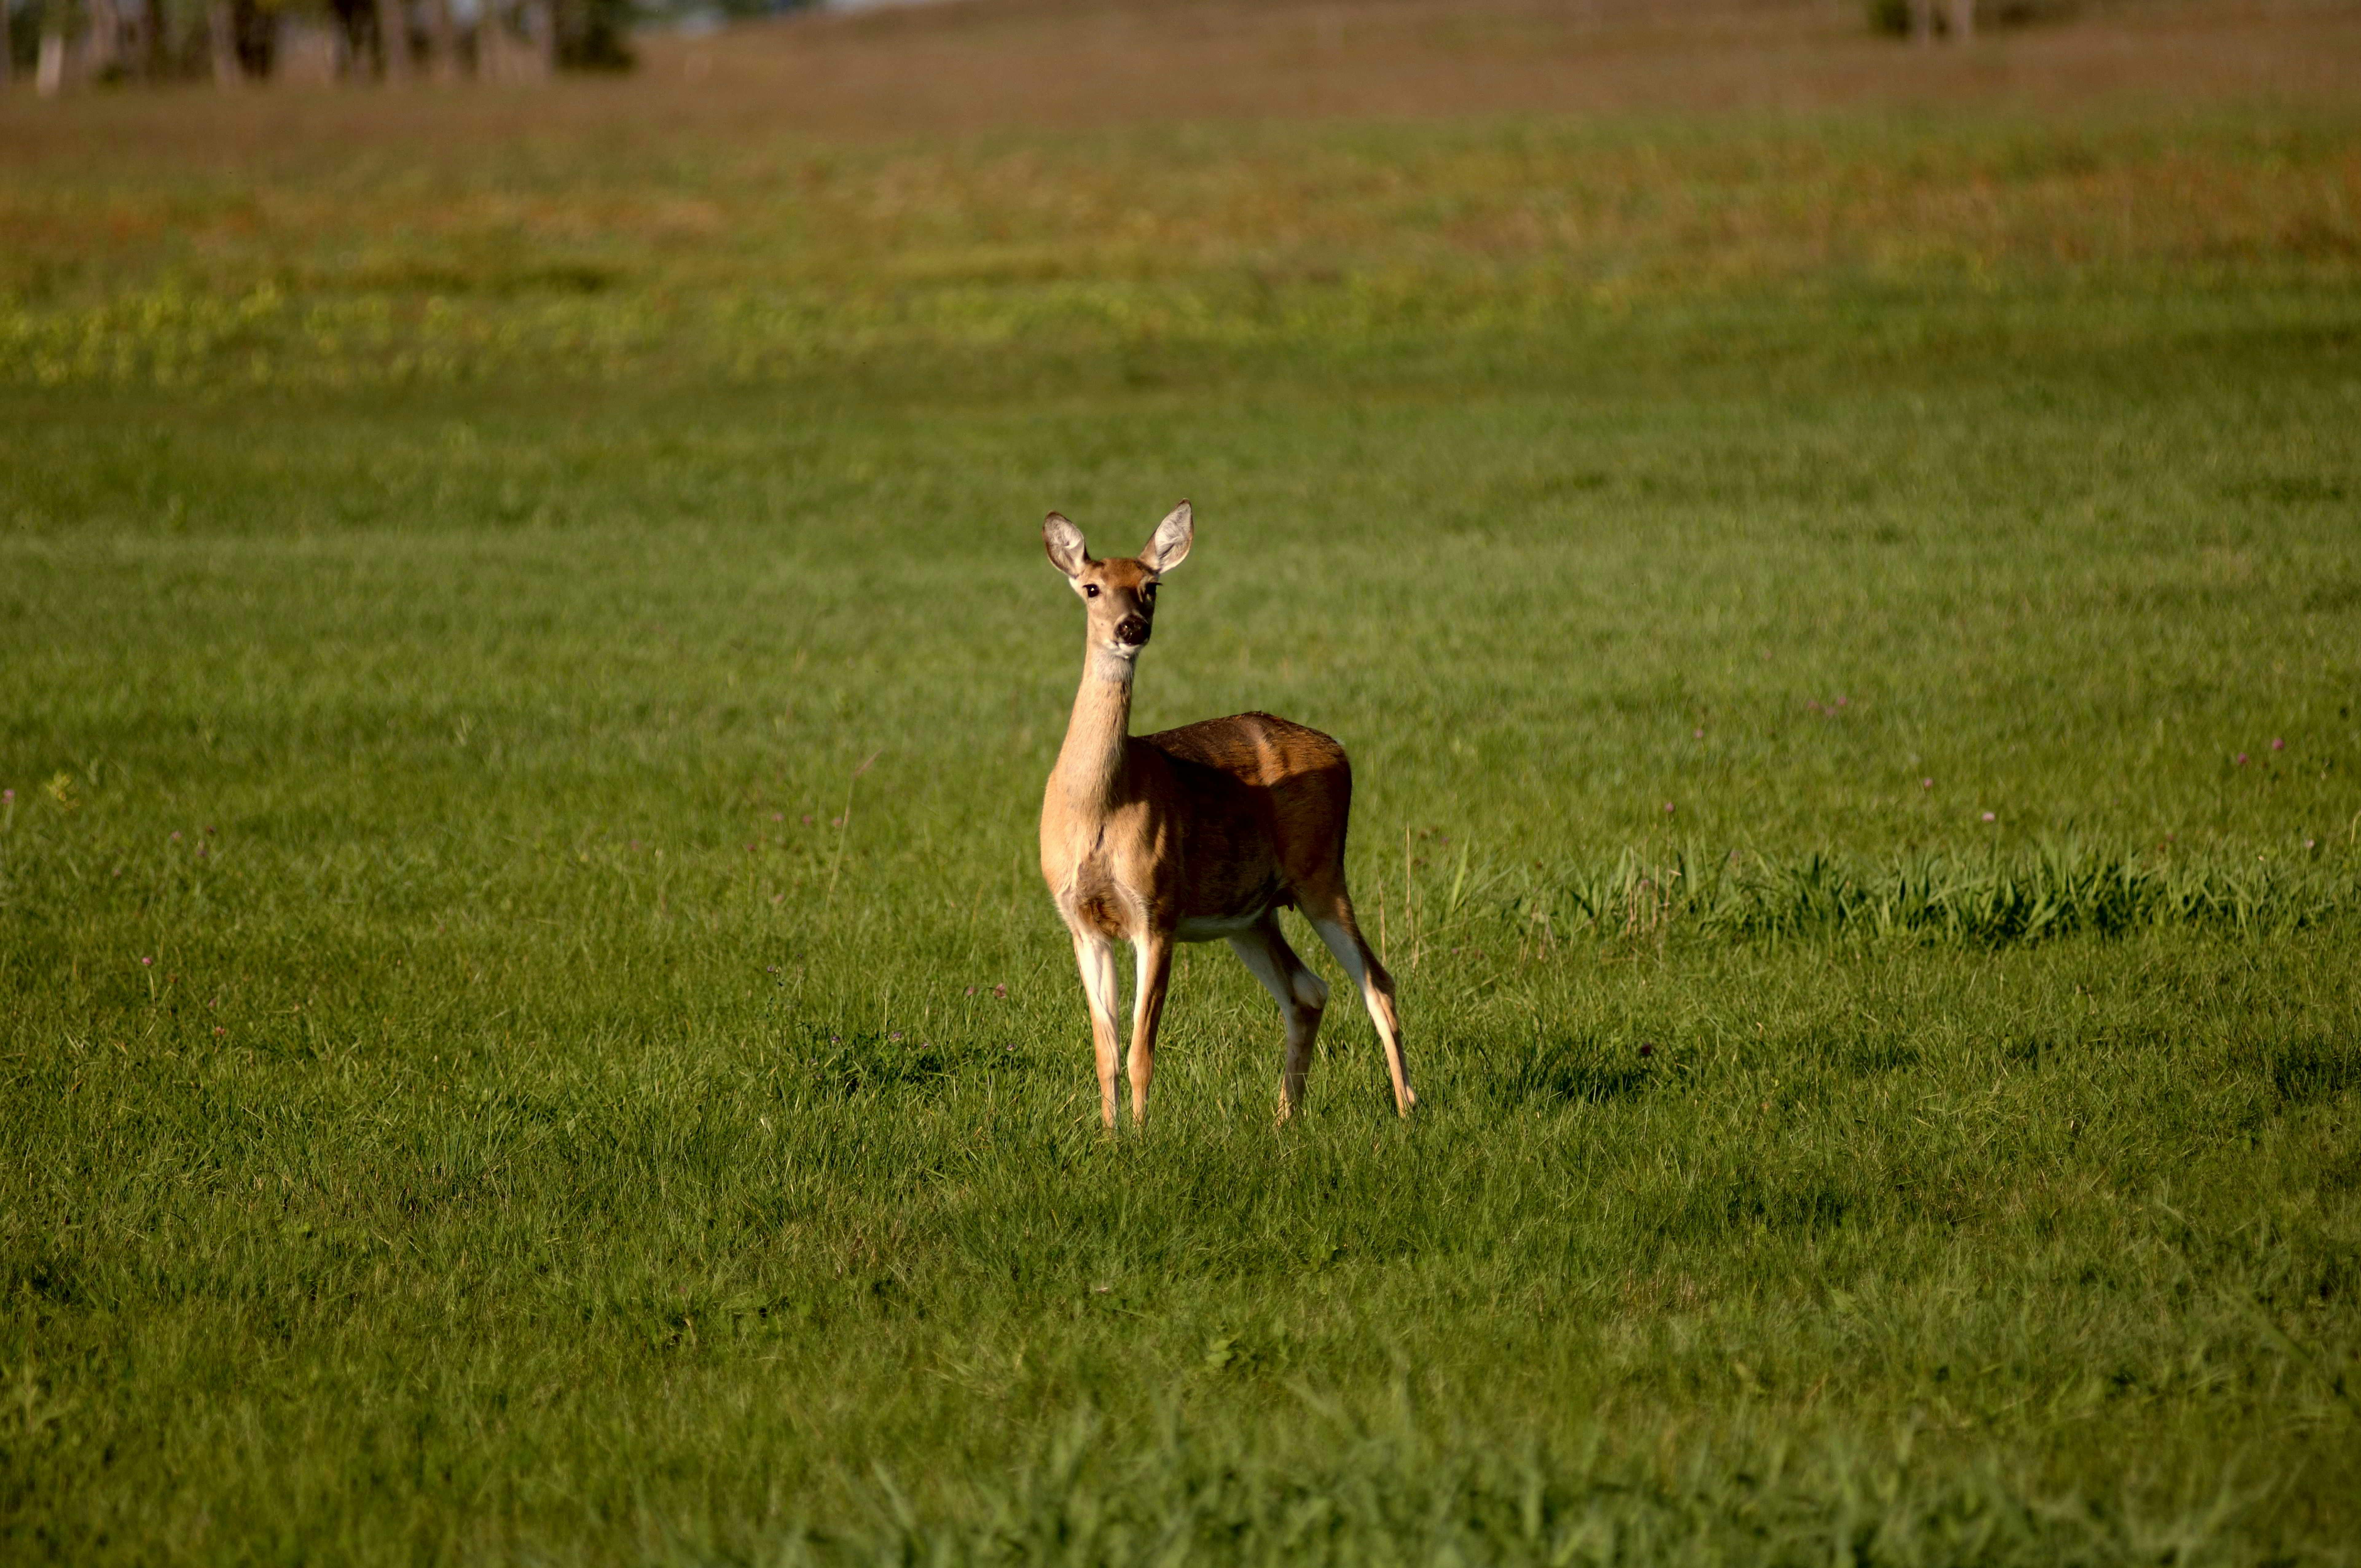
x: 1170, y: 547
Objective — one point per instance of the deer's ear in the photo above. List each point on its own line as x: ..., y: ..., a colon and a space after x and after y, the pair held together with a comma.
x: 1064, y: 543
x: 1170, y: 544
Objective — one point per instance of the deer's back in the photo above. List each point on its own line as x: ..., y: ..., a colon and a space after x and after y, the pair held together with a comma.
x: 1296, y: 782
x: 1259, y: 749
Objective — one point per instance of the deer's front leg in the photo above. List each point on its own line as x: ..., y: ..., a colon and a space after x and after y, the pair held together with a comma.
x: 1095, y: 955
x: 1154, y: 951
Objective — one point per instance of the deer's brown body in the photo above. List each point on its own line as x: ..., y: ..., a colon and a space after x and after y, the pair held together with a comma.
x: 1193, y: 834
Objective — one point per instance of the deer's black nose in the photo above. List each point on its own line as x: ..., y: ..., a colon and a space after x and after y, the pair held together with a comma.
x: 1132, y: 632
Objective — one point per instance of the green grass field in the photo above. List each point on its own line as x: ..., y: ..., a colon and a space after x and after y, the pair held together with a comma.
x: 532, y: 1028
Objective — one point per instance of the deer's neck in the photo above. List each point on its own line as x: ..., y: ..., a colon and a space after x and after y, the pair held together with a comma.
x: 1089, y: 764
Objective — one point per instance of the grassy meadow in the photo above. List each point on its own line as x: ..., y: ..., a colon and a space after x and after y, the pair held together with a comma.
x: 531, y: 1031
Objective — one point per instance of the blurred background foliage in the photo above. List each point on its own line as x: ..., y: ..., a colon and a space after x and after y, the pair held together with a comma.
x: 60, y: 45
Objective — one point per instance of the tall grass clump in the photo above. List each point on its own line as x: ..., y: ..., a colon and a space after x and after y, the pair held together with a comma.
x: 1390, y: 1492
x: 2058, y: 890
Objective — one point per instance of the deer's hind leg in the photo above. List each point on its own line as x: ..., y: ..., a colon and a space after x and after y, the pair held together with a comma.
x: 1332, y: 916
x: 1301, y: 995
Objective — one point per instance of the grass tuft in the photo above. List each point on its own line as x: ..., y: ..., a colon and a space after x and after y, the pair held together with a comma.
x: 2056, y: 890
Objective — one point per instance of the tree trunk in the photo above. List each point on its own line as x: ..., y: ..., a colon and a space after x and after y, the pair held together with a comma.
x: 7, y: 50
x: 492, y: 40
x: 1963, y: 19
x: 442, y: 41
x: 393, y: 40
x: 153, y: 40
x: 221, y: 33
x: 49, y: 75
x: 541, y: 26
x: 1922, y: 20
x: 103, y: 51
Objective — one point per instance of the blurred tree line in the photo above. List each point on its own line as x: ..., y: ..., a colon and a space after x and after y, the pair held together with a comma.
x: 50, y: 45
x: 1928, y: 20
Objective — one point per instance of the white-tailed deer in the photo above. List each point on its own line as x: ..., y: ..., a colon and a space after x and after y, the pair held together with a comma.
x: 1205, y: 831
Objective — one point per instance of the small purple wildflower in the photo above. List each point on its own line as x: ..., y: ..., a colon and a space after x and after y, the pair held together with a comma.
x: 2278, y: 744
x: 7, y: 797
x: 144, y: 963
x: 1668, y: 808
x: 806, y: 818
x: 2242, y: 758
x: 1646, y: 1049
x: 176, y: 837
x: 1698, y: 734
x: 1000, y: 991
x: 1992, y: 816
x: 1844, y: 701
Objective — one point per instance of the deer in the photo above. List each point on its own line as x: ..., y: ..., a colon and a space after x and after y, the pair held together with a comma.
x: 1192, y: 834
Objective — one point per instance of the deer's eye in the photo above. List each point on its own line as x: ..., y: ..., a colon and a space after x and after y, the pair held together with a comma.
x: 1091, y: 590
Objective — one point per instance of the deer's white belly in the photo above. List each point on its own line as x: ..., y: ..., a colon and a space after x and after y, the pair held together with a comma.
x: 1207, y: 927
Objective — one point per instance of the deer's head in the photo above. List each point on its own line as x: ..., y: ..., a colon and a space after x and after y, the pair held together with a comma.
x: 1120, y: 596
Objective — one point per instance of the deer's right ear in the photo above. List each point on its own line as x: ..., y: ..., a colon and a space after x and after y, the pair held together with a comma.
x: 1064, y: 543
